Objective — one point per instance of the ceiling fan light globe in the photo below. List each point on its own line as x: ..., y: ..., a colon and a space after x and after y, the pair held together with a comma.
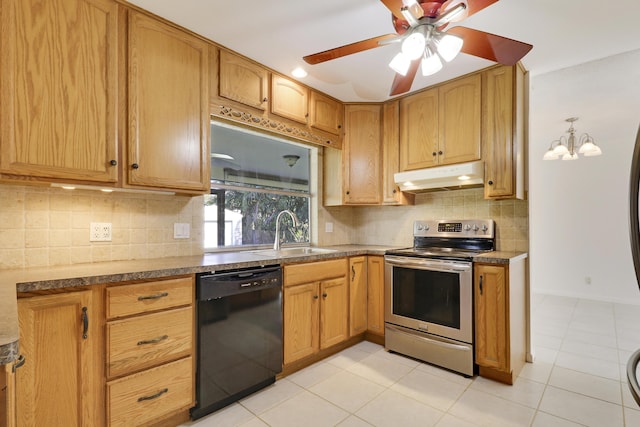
x: 414, y: 45
x: 449, y: 46
x: 431, y: 63
x: 400, y: 64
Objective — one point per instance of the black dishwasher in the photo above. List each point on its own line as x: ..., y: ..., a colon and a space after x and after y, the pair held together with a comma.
x: 239, y: 331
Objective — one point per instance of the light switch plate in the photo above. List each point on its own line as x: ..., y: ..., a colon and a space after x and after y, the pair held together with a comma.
x: 181, y: 230
x: 100, y: 232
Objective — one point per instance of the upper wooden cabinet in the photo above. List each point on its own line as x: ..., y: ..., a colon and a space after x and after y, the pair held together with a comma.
x: 361, y: 154
x: 325, y: 113
x: 59, y: 80
x: 441, y: 125
x: 391, y: 194
x: 242, y: 80
x: 503, y: 133
x: 168, y: 107
x: 289, y: 99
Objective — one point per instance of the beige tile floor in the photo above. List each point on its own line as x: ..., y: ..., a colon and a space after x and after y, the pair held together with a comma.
x: 578, y: 379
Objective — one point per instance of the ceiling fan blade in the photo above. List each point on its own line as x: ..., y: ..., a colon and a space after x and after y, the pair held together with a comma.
x: 473, y: 6
x: 394, y: 6
x: 402, y: 84
x: 490, y: 46
x: 348, y: 49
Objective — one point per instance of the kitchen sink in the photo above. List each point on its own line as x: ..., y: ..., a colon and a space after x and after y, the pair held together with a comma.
x: 293, y: 251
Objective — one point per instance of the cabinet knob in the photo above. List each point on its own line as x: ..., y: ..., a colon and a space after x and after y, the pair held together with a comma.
x: 113, y: 162
x: 265, y: 99
x: 348, y: 192
x: 339, y: 126
x: 324, y: 295
x: 490, y: 182
x: 434, y: 153
x: 135, y: 166
x: 315, y: 297
x: 440, y: 152
x: 394, y: 191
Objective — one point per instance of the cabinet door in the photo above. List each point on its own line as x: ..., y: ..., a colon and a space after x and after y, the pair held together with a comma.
x: 325, y: 113
x: 59, y: 74
x: 490, y: 289
x: 375, y: 294
x: 419, y: 130
x: 459, y: 118
x: 301, y: 314
x: 391, y: 194
x: 289, y: 99
x: 242, y: 80
x: 357, y: 295
x: 334, y: 311
x: 503, y: 131
x: 7, y: 396
x: 168, y: 107
x: 361, y: 154
x: 57, y: 381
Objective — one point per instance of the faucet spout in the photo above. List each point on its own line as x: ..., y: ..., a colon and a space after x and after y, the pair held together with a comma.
x: 296, y: 223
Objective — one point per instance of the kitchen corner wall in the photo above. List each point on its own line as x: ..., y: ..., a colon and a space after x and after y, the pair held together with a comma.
x: 393, y: 225
x: 43, y: 226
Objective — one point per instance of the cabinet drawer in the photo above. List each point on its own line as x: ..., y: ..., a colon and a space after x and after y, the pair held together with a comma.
x: 144, y: 341
x: 144, y: 297
x: 314, y: 271
x: 140, y: 398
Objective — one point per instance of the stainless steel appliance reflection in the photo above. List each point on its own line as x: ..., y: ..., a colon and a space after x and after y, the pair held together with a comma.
x: 429, y: 292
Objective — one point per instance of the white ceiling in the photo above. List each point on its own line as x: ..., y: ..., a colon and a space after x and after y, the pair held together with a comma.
x: 278, y: 33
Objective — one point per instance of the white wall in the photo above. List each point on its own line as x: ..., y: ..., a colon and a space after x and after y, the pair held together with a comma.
x: 579, y: 224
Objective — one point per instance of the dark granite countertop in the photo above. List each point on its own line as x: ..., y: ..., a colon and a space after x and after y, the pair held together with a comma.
x: 35, y: 279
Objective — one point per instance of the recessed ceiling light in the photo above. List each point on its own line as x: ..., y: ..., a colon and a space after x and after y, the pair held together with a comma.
x: 299, y: 72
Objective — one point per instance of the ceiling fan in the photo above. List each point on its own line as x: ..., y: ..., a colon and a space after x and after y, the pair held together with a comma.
x: 423, y: 34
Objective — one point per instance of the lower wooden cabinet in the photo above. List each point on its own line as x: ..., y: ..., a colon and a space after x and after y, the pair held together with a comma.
x: 60, y: 379
x: 375, y: 295
x: 149, y: 340
x: 357, y: 295
x: 148, y: 395
x: 499, y: 294
x: 316, y: 307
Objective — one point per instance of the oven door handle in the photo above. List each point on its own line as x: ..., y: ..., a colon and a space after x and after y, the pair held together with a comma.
x: 432, y: 341
x: 459, y: 268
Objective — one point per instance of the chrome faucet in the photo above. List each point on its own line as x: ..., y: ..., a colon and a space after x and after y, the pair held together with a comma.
x: 296, y: 223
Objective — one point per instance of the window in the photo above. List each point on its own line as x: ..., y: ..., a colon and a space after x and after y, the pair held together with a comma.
x: 253, y: 178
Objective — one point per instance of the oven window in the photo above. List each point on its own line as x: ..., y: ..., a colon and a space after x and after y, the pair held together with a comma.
x: 428, y: 296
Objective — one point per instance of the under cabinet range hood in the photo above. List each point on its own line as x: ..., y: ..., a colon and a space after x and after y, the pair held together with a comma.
x: 450, y: 176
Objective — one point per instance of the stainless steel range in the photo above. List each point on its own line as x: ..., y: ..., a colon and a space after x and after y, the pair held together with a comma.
x: 429, y: 292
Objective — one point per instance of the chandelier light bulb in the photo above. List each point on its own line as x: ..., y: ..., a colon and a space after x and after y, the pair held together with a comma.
x: 569, y: 156
x: 550, y: 155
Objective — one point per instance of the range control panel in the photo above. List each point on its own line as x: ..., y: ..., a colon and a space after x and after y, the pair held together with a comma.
x: 479, y: 228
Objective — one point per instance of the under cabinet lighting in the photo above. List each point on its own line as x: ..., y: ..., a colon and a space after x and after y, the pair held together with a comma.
x: 111, y: 190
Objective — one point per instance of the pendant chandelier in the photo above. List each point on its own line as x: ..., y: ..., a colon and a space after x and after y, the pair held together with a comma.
x: 568, y: 148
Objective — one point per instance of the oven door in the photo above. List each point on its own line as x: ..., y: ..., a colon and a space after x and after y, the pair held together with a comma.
x: 430, y: 295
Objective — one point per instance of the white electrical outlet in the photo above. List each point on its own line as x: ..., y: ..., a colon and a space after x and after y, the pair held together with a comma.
x: 328, y: 227
x: 100, y: 232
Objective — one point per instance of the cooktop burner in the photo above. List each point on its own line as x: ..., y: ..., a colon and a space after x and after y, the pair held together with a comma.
x: 444, y: 239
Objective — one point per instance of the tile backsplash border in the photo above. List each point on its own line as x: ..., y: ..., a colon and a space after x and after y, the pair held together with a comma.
x: 43, y: 226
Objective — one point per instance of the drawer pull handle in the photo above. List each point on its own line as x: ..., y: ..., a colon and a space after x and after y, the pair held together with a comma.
x: 154, y: 340
x: 153, y: 396
x: 21, y: 360
x: 155, y: 296
x: 85, y: 323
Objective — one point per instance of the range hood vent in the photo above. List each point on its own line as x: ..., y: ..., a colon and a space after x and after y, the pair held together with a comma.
x: 450, y: 176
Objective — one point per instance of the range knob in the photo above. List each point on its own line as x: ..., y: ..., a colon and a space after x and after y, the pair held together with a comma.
x: 485, y: 228
x: 420, y: 227
x: 467, y: 227
x: 475, y: 227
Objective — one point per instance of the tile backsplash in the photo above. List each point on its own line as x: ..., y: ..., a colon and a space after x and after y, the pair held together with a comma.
x: 42, y: 226
x: 393, y: 225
